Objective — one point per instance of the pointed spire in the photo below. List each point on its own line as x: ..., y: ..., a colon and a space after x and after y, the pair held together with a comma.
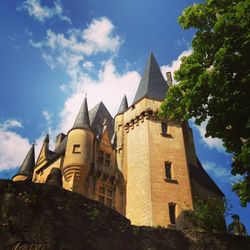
x: 82, y: 119
x: 46, y: 146
x: 28, y: 164
x: 123, y: 106
x: 46, y: 139
x: 152, y: 84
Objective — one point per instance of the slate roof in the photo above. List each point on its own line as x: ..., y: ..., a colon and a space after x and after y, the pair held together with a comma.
x: 82, y: 119
x: 123, y: 106
x: 62, y: 146
x: 95, y: 118
x: 199, y: 174
x: 28, y: 164
x: 97, y: 115
x: 152, y: 84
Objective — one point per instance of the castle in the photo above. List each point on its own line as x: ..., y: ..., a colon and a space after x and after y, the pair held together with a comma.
x: 142, y: 166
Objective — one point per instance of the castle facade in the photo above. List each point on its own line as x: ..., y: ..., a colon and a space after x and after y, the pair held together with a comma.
x: 142, y: 166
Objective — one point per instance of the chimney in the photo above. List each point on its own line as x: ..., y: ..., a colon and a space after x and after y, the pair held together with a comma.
x: 169, y: 79
x: 59, y: 139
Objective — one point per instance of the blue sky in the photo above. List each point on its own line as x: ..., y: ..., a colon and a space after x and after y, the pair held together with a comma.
x: 52, y: 52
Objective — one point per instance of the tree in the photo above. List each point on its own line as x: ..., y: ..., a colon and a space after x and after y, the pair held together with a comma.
x: 208, y: 215
x: 213, y: 82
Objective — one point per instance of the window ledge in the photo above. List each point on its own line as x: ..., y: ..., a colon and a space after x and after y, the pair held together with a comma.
x: 171, y: 181
x: 166, y: 135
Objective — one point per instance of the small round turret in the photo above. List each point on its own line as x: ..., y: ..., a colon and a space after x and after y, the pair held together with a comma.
x: 79, y: 151
x: 25, y: 172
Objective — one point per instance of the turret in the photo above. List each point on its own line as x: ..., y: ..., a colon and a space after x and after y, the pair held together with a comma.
x: 119, y: 132
x: 79, y: 151
x: 157, y: 176
x: 25, y: 172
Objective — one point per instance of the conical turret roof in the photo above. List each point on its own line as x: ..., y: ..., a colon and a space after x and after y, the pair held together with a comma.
x: 123, y: 106
x: 82, y: 119
x: 28, y: 164
x: 152, y: 84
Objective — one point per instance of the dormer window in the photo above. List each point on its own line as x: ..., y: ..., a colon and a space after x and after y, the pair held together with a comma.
x: 104, y: 158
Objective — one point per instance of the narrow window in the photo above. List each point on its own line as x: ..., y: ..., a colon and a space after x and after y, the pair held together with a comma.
x: 168, y: 173
x: 164, y: 128
x: 76, y: 149
x: 171, y: 207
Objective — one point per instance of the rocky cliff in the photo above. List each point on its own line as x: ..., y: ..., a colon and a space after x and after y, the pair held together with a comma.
x: 39, y: 216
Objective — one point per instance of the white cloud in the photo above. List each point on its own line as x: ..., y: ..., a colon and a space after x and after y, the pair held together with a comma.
x: 43, y: 13
x: 88, y: 65
x: 108, y: 88
x: 209, y: 141
x: 98, y: 36
x: 174, y: 65
x: 47, y: 115
x: 14, y: 147
x: 11, y: 123
x: 183, y: 42
x: 69, y: 50
x: 221, y: 173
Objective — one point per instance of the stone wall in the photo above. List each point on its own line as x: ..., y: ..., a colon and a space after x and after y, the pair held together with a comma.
x: 39, y: 216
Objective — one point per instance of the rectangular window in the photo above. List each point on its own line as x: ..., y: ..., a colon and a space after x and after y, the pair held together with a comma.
x: 168, y: 171
x: 172, y: 216
x: 76, y: 149
x: 105, y: 196
x: 164, y: 128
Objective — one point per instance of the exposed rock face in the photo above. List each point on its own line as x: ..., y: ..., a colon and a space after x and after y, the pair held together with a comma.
x: 40, y: 216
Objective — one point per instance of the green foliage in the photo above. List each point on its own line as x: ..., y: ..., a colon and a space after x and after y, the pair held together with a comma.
x: 214, y: 81
x: 208, y: 215
x: 93, y: 214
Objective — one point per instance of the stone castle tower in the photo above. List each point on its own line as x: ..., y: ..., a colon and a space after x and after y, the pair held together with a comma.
x: 142, y: 166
